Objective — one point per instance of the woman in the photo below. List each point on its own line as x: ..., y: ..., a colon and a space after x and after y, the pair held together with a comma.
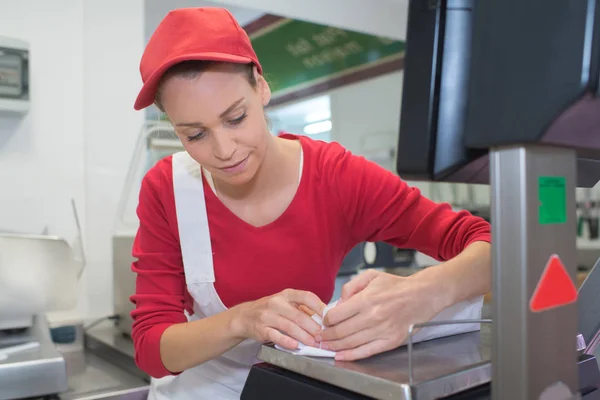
x: 244, y: 229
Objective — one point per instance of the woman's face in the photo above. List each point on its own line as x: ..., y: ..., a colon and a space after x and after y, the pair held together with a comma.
x: 219, y: 118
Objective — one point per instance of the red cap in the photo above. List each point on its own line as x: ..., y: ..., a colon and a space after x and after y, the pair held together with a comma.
x: 205, y: 33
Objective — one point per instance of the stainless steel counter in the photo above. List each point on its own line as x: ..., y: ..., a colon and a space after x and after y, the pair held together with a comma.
x: 100, y: 379
x: 110, y: 343
x: 110, y: 371
x: 440, y: 368
x: 103, y: 369
x: 106, y: 369
x: 462, y: 360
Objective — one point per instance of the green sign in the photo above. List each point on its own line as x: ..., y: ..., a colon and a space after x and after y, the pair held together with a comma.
x: 298, y: 54
x: 553, y: 200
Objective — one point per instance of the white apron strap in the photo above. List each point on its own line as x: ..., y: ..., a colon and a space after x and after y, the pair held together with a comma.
x: 192, y: 220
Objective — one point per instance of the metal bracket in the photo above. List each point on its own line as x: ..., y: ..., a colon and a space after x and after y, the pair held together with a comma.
x: 412, y: 327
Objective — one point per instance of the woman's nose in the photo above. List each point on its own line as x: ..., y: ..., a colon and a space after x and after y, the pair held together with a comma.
x: 224, y: 146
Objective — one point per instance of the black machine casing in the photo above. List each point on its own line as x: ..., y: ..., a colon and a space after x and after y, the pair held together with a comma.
x: 456, y: 57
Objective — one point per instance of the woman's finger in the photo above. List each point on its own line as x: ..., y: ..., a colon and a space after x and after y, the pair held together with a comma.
x: 365, y: 351
x: 356, y: 323
x: 293, y: 313
x: 358, y: 284
x: 280, y: 339
x: 351, y: 341
x: 301, y: 319
x: 303, y: 297
x: 344, y: 310
x: 292, y: 329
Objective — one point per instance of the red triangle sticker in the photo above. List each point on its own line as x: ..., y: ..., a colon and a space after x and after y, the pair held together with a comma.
x: 555, y: 288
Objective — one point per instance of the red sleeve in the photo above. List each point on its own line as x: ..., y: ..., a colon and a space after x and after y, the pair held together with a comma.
x: 379, y: 206
x: 160, y: 284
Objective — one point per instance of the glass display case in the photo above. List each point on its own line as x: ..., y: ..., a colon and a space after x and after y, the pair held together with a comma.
x: 156, y: 140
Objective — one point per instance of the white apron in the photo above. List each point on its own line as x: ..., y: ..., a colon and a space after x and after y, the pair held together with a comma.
x: 222, y: 377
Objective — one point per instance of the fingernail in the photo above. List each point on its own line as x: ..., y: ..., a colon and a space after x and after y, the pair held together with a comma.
x: 324, y: 346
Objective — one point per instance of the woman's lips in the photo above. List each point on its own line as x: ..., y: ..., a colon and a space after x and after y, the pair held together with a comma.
x: 235, y: 168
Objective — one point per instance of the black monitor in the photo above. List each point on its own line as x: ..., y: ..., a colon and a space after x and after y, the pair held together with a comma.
x: 481, y: 74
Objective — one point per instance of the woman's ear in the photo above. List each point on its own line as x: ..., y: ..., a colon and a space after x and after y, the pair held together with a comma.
x: 263, y: 88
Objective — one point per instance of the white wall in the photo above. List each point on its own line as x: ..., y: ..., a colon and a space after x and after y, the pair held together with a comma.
x: 367, y: 110
x: 77, y: 140
x: 42, y: 155
x: 113, y: 45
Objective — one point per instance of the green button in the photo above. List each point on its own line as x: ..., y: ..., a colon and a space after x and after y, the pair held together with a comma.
x: 553, y: 200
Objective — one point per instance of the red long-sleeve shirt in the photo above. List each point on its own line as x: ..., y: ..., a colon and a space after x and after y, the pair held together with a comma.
x: 342, y: 200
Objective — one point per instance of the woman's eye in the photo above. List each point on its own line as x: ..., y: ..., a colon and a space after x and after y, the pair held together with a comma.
x: 200, y: 135
x: 238, y: 120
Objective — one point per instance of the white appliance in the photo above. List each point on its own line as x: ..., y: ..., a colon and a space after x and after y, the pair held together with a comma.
x: 37, y: 274
x: 14, y: 76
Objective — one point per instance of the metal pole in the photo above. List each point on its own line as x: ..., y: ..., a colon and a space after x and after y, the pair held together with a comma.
x: 533, y: 218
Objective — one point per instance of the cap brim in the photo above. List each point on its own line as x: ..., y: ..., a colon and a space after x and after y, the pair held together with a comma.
x: 148, y: 92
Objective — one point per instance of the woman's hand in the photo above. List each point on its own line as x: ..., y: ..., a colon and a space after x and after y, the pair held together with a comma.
x: 280, y: 319
x: 375, y: 312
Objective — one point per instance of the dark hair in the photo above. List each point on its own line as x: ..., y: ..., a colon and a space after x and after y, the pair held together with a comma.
x: 192, y: 68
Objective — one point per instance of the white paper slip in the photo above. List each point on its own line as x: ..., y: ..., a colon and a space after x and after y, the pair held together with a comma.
x: 308, y: 351
x: 465, y: 310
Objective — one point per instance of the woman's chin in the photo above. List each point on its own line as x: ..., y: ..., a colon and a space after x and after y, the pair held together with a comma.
x: 238, y: 179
